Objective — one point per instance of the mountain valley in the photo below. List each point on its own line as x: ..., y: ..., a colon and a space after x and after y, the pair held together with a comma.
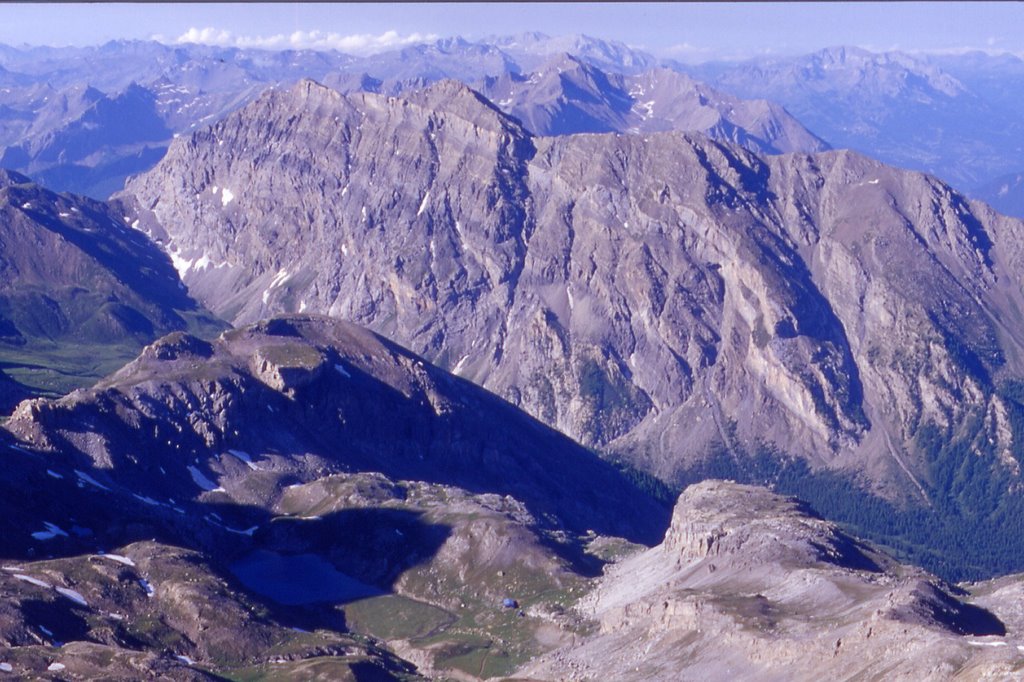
x: 82, y: 291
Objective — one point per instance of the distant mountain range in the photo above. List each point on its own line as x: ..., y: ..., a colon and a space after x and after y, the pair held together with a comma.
x: 567, y: 95
x: 917, y: 112
x: 907, y: 111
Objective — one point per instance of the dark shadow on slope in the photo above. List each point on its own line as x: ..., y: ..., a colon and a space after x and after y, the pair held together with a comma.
x: 930, y: 605
x: 11, y: 393
x: 128, y: 254
x: 445, y: 430
x: 481, y: 444
x: 366, y: 671
x: 60, y: 617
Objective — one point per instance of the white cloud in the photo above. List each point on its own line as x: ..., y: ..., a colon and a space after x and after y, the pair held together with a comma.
x: 361, y: 43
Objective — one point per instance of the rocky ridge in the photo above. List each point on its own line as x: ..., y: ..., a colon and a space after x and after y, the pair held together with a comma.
x: 751, y: 585
x: 281, y: 524
x: 363, y: 481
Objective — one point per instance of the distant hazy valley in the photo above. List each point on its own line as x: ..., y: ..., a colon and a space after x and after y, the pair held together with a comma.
x: 531, y: 358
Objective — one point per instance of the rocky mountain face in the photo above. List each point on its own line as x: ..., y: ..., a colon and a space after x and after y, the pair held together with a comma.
x: 566, y: 96
x: 84, y: 119
x: 749, y: 585
x: 80, y: 291
x: 903, y: 110
x: 270, y: 499
x: 665, y: 297
x: 917, y: 112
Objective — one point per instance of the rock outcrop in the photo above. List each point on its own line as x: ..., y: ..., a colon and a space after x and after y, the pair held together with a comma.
x: 751, y: 585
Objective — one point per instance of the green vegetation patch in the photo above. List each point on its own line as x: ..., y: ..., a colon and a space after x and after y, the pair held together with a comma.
x: 395, y: 617
x: 292, y: 355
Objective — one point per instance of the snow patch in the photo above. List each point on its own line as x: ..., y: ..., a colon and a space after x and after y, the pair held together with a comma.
x: 53, y: 474
x: 180, y: 264
x: 6, y: 667
x: 52, y: 531
x: 33, y: 581
x: 73, y: 595
x: 280, y: 278
x: 647, y: 107
x: 147, y: 587
x: 56, y: 667
x: 247, y: 531
x: 202, y: 481
x: 423, y: 204
x: 86, y: 478
x: 460, y: 364
x: 226, y: 197
x: 185, y: 659
x: 148, y: 500
x: 119, y: 559
x: 244, y: 456
x: 342, y: 372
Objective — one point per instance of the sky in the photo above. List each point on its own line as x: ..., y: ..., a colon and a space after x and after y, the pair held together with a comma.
x: 691, y: 31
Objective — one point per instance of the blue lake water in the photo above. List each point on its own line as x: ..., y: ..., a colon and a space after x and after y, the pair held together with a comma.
x: 298, y: 579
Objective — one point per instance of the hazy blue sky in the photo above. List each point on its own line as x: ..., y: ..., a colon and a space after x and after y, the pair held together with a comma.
x: 684, y: 30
